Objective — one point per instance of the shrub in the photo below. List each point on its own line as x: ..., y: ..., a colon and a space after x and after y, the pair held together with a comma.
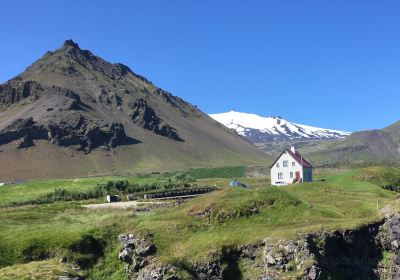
x: 86, y: 251
x: 36, y: 251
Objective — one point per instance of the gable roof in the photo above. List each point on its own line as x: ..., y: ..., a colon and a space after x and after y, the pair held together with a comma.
x: 299, y: 158
x: 296, y: 156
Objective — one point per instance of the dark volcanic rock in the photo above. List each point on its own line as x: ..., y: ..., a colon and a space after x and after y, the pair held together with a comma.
x: 369, y: 252
x: 208, y: 271
x: 86, y: 58
x: 143, y: 115
x: 75, y: 129
x: 88, y: 134
x: 24, y: 129
x: 25, y: 142
x: 14, y: 91
x: 137, y: 253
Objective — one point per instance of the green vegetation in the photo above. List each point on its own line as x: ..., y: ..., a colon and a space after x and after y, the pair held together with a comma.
x: 101, y: 191
x: 35, y: 233
x: 238, y: 216
x: 221, y: 172
x: 36, y: 189
x: 41, y: 192
x: 385, y: 177
x: 46, y: 269
x: 33, y: 237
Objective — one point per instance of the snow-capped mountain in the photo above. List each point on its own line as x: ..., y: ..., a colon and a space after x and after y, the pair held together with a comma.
x: 261, y: 129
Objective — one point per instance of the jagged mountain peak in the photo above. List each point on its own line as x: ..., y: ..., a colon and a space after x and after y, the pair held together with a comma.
x: 274, y: 128
x: 70, y: 43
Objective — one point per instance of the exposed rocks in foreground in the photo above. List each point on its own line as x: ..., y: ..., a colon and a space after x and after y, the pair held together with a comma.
x: 369, y: 252
x: 140, y: 263
x: 138, y: 254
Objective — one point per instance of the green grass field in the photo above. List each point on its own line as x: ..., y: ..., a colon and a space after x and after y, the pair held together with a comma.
x: 34, y: 189
x: 340, y: 202
x: 33, y: 237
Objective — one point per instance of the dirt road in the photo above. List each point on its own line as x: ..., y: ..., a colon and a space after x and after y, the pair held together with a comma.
x: 118, y: 205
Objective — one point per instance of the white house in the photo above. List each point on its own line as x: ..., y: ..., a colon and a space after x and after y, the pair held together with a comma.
x: 290, y: 168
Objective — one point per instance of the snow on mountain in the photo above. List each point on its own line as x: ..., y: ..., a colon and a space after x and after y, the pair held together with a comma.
x: 260, y: 129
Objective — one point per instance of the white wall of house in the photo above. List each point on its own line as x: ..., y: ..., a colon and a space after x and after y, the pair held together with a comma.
x: 285, y: 168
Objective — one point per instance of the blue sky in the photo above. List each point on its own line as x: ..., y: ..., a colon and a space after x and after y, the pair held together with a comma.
x: 333, y: 64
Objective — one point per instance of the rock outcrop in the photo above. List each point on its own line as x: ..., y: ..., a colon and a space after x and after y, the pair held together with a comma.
x: 140, y: 264
x: 16, y: 90
x: 144, y: 116
x: 389, y: 239
x: 287, y: 256
x: 74, y: 130
x: 208, y: 271
x: 369, y: 252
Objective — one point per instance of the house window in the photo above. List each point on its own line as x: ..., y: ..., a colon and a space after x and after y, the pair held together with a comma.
x: 277, y: 164
x: 293, y: 163
x: 291, y: 175
x: 285, y: 163
x: 280, y: 175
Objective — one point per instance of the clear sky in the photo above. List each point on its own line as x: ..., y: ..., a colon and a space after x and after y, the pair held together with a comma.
x: 333, y: 64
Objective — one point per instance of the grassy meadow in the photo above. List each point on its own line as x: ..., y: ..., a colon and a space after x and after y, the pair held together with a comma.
x: 239, y: 216
x: 33, y: 237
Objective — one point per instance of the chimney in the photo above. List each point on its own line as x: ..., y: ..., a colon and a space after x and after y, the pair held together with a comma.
x: 292, y: 149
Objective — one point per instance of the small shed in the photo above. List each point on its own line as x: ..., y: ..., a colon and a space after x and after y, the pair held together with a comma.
x: 234, y: 183
x: 112, y: 198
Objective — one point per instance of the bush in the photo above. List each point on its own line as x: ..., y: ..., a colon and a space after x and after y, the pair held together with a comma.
x: 7, y: 255
x: 86, y: 251
x: 36, y: 251
x: 386, y: 177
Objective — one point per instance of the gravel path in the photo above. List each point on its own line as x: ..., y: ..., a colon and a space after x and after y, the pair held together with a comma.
x: 117, y: 205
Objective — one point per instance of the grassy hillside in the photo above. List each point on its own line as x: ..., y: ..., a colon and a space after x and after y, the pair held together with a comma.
x: 379, y: 145
x: 65, y: 230
x: 33, y: 237
x: 36, y: 270
x: 306, y: 147
x: 240, y: 216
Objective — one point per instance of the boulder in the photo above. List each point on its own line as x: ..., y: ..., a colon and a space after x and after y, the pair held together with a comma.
x: 208, y: 271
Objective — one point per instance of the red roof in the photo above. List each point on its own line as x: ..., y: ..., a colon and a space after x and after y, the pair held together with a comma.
x: 297, y: 157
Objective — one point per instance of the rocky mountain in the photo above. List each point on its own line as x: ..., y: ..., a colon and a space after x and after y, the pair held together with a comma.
x: 71, y: 113
x: 260, y: 129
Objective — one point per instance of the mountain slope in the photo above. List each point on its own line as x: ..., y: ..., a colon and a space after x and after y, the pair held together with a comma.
x: 369, y: 145
x: 72, y: 113
x: 262, y: 129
